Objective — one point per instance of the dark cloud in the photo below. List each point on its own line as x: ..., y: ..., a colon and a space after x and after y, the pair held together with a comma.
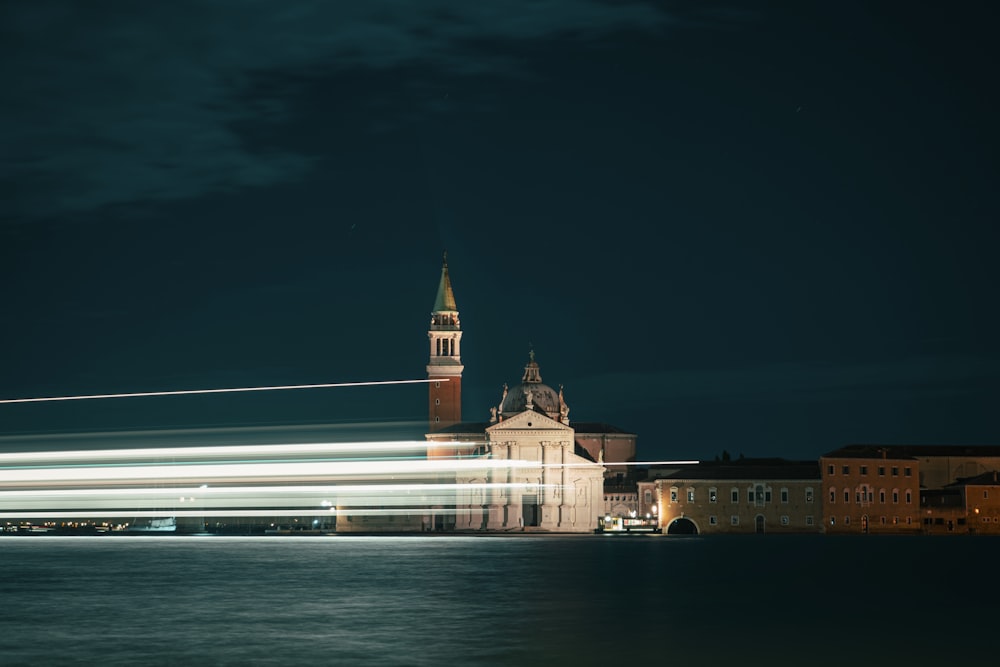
x: 141, y: 102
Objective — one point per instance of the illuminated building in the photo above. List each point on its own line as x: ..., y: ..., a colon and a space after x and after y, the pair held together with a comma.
x: 557, y: 472
x: 905, y: 488
x: 743, y: 496
x: 445, y: 365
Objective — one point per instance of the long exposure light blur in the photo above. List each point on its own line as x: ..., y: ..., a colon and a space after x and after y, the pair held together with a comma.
x: 184, y: 392
x: 285, y: 480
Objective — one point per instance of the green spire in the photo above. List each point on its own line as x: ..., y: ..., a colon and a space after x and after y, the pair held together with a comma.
x: 445, y: 300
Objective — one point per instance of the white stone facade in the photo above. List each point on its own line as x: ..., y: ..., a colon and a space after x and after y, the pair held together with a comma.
x: 546, y: 487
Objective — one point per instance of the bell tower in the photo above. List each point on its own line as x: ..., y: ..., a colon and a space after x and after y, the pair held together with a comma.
x: 444, y: 369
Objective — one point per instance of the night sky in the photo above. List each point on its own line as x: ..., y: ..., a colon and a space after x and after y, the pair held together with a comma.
x: 767, y: 228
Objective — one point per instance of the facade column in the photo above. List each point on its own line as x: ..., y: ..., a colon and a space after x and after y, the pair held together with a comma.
x: 551, y: 478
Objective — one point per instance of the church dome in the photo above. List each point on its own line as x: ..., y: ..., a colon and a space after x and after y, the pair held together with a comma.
x: 532, y: 394
x: 543, y: 398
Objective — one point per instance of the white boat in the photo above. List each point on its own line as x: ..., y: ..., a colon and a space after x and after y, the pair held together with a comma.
x: 158, y: 525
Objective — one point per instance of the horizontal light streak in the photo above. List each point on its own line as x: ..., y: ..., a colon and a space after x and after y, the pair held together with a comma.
x: 272, y: 470
x: 217, y: 391
x: 144, y: 514
x: 237, y: 451
x: 317, y: 491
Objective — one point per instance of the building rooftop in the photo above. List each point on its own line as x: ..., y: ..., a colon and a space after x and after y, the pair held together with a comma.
x: 752, y: 469
x: 862, y: 451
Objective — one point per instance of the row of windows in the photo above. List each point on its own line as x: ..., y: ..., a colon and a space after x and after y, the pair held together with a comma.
x: 755, y: 495
x: 734, y: 520
x: 866, y: 496
x: 846, y: 470
x: 882, y: 520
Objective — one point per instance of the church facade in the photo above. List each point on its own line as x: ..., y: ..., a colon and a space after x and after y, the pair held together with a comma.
x: 539, y: 473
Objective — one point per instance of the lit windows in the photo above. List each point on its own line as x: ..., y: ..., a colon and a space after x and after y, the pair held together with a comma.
x: 690, y: 495
x: 809, y: 494
x: 713, y: 494
x: 673, y: 494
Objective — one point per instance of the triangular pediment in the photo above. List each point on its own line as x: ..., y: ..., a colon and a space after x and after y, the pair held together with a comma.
x: 529, y: 420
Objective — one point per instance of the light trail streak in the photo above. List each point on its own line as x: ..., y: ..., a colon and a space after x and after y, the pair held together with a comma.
x: 98, y: 514
x: 326, y: 490
x: 272, y: 470
x: 217, y: 391
x: 404, y: 446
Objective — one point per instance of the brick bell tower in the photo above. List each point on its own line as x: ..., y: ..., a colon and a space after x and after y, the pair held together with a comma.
x: 444, y: 369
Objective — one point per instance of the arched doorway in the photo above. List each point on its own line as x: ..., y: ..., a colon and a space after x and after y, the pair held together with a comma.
x: 682, y: 526
x: 759, y: 524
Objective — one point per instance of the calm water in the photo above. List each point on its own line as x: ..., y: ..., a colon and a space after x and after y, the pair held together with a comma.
x: 587, y: 600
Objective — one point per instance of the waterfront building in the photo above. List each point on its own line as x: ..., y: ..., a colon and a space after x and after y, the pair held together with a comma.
x: 556, y: 475
x: 743, y: 496
x: 870, y: 489
x: 969, y: 505
x: 903, y: 488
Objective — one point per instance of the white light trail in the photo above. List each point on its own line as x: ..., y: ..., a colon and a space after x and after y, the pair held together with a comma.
x: 299, y: 490
x: 97, y: 513
x: 217, y: 391
x: 402, y: 446
x: 268, y: 470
